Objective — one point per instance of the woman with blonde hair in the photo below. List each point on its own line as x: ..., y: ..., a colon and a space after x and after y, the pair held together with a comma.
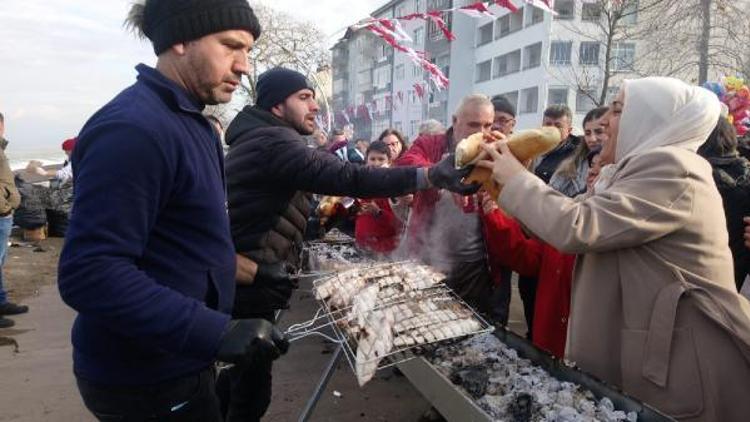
x: 570, y: 177
x: 654, y: 308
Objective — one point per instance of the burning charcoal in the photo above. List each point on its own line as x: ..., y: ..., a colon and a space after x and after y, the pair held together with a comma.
x: 473, y: 379
x: 520, y: 409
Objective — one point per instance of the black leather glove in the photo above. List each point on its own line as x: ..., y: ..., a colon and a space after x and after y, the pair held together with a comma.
x: 275, y: 281
x: 251, y: 340
x: 445, y: 175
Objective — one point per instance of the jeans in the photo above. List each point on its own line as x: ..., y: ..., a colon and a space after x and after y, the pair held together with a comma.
x: 188, y: 399
x: 6, y: 225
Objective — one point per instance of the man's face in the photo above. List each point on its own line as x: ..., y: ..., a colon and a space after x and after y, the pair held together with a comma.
x: 504, y: 123
x: 473, y: 119
x: 377, y: 159
x: 562, y: 123
x: 299, y: 110
x: 212, y: 66
x: 338, y: 138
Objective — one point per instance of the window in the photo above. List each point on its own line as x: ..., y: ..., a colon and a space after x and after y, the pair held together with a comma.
x: 434, y: 31
x: 444, y: 63
x: 401, y: 10
x: 400, y: 72
x: 416, y: 71
x: 484, y: 35
x: 557, y: 95
x: 612, y: 92
x: 623, y: 55
x: 629, y: 12
x: 534, y: 16
x: 566, y: 9
x: 589, y: 53
x: 412, y: 96
x: 584, y: 100
x: 591, y: 12
x: 559, y: 53
x: 382, y: 77
x: 507, y: 64
x: 398, y: 126
x: 414, y: 127
x: 484, y: 70
x: 530, y: 100
x: 419, y: 36
x: 417, y: 6
x: 364, y: 78
x: 509, y: 24
x: 532, y: 56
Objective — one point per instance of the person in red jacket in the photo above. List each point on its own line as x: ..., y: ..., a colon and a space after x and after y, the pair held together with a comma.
x: 377, y: 228
x: 508, y: 246
x: 445, y: 229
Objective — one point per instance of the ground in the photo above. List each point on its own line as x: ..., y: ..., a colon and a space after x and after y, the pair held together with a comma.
x: 38, y: 385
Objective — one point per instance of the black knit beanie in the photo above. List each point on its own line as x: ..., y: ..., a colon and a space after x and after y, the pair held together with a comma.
x: 277, y: 84
x: 502, y: 104
x: 170, y: 22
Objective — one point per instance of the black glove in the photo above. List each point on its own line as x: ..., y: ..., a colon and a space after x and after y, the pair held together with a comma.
x: 251, y: 340
x: 275, y: 281
x: 445, y: 175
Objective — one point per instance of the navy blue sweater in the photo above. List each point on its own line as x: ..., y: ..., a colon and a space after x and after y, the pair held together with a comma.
x: 148, y: 260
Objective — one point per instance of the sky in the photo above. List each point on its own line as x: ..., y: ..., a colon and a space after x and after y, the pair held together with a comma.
x: 62, y: 60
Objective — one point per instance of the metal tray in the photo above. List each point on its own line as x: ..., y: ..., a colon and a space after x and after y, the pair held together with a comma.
x: 455, y: 405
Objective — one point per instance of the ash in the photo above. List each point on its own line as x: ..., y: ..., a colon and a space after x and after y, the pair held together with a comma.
x: 510, y: 388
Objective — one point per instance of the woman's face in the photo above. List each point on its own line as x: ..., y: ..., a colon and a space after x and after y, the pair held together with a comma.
x: 594, y: 170
x: 393, y: 144
x: 611, y: 124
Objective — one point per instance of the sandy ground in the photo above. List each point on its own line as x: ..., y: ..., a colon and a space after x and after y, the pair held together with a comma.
x: 37, y: 383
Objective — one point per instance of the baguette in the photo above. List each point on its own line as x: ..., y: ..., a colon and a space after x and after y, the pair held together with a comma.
x: 525, y: 145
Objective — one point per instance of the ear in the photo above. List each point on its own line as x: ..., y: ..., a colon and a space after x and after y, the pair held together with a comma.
x: 278, y: 110
x: 179, y: 49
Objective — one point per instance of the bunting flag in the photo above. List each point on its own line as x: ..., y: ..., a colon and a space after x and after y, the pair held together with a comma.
x: 419, y: 89
x: 437, y: 18
x: 546, y: 5
x: 507, y: 4
x: 401, y: 97
x: 476, y: 10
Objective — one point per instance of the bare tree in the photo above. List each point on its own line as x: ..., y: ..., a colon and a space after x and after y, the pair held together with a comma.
x: 285, y: 42
x: 688, y: 39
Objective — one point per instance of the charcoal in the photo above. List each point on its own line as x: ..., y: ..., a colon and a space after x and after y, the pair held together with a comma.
x: 473, y: 379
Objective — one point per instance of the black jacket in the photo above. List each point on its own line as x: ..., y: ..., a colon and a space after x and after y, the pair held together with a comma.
x: 268, y: 168
x: 732, y: 177
x: 548, y: 164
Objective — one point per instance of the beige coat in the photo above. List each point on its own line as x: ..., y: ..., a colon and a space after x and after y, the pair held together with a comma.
x: 654, y: 308
x: 9, y: 197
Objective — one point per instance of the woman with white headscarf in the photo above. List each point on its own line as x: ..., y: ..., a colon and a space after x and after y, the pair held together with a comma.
x: 654, y: 309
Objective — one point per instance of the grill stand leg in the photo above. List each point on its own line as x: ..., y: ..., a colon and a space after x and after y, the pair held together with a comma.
x: 322, y: 384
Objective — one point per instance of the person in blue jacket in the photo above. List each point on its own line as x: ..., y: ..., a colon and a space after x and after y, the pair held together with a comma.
x: 148, y: 260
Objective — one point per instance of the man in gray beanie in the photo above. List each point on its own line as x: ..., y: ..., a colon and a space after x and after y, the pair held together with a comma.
x: 271, y: 174
x: 148, y: 260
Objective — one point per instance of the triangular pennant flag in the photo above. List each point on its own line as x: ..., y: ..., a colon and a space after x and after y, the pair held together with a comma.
x: 507, y: 4
x: 476, y: 10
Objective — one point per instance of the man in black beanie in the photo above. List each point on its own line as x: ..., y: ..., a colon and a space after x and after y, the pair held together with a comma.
x: 270, y: 176
x: 148, y: 260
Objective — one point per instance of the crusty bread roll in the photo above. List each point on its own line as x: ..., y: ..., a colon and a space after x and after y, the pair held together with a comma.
x: 525, y: 145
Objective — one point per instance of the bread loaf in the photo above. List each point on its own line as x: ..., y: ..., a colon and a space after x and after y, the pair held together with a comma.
x: 525, y: 145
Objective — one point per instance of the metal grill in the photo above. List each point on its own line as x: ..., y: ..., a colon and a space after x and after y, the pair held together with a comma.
x: 385, y: 314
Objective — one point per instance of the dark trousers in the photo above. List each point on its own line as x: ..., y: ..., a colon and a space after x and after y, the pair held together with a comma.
x: 501, y: 294
x: 187, y: 399
x: 527, y: 290
x: 472, y: 282
x: 245, y: 390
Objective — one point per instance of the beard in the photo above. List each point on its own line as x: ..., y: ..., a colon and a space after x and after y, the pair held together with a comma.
x: 207, y: 91
x: 298, y: 123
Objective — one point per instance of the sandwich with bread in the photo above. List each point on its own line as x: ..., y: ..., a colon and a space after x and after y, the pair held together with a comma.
x: 525, y: 145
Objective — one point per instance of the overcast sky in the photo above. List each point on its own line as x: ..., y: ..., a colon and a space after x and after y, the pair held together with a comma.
x: 62, y: 60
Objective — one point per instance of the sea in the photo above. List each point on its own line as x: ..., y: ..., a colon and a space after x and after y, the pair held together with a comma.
x: 19, y: 158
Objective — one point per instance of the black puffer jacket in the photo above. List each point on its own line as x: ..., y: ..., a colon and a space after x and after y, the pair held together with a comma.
x: 268, y: 168
x: 547, y: 165
x: 732, y: 177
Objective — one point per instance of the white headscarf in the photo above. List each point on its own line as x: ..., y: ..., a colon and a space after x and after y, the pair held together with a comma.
x: 661, y: 112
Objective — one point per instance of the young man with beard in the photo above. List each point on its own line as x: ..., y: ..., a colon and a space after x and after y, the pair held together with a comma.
x: 271, y: 175
x: 148, y: 261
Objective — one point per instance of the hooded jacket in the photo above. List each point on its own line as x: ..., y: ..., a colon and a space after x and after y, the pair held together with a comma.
x: 9, y: 196
x: 270, y: 172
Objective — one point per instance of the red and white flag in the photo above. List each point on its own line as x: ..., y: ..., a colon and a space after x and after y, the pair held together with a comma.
x: 476, y: 10
x: 419, y: 89
x: 546, y: 5
x: 507, y: 4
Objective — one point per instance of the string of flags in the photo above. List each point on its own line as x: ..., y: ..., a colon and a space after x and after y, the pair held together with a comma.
x: 392, y: 33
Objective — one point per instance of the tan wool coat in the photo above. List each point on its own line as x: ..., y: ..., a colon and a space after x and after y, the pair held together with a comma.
x: 654, y: 308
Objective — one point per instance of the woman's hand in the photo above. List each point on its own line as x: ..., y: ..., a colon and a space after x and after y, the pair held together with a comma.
x: 503, y: 164
x: 488, y: 204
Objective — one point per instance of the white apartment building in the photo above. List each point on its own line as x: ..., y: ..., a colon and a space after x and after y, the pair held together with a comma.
x: 536, y: 59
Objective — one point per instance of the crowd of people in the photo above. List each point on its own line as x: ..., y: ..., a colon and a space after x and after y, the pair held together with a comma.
x: 179, y: 254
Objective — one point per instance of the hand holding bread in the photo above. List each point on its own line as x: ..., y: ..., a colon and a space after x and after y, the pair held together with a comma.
x: 482, y: 150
